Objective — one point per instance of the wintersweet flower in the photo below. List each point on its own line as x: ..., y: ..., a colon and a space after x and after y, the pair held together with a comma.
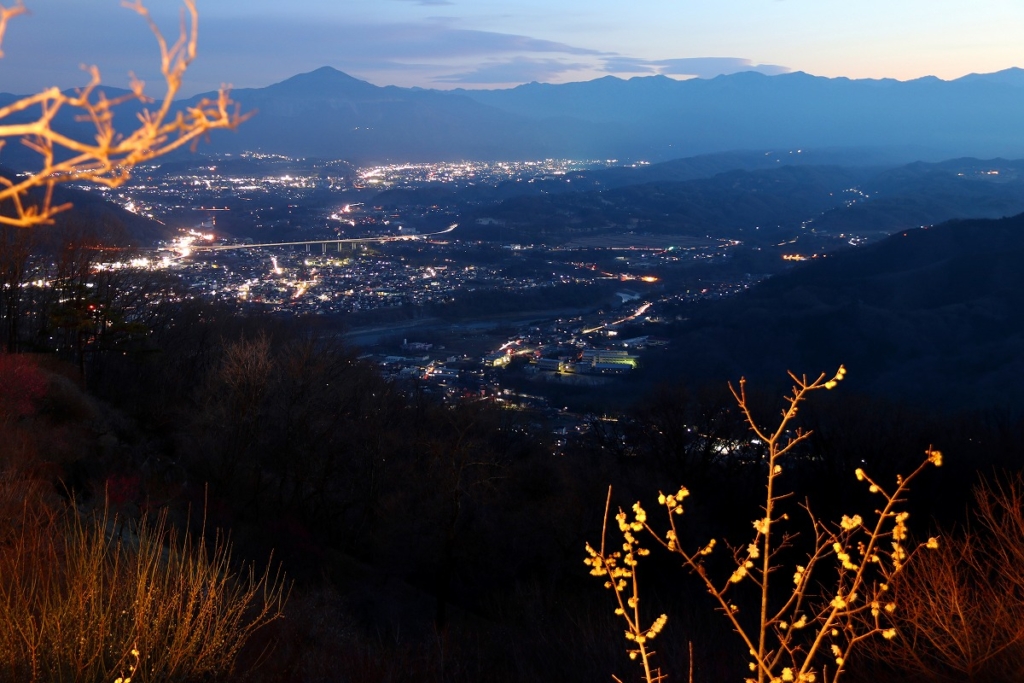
x: 799, y: 575
x: 849, y: 523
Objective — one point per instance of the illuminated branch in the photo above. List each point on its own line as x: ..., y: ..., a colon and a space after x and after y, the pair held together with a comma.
x: 817, y: 625
x: 6, y: 14
x: 109, y: 156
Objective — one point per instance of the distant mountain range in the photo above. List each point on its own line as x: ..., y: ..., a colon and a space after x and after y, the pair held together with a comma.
x: 326, y: 113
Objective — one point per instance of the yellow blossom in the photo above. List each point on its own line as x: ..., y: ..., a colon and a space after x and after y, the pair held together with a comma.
x: 621, y: 519
x: 799, y: 575
x: 850, y: 523
x: 641, y: 517
x: 843, y: 557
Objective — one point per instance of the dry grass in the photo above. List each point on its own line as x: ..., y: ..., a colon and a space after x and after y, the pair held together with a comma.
x: 78, y: 594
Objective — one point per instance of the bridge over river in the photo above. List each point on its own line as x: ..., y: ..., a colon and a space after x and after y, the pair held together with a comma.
x: 324, y: 244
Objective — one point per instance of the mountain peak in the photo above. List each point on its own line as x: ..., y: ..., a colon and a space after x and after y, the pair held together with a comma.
x: 319, y: 80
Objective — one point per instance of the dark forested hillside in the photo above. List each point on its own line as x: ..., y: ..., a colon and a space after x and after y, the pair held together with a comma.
x: 928, y: 314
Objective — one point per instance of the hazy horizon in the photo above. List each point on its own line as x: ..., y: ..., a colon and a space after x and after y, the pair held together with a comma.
x: 458, y: 87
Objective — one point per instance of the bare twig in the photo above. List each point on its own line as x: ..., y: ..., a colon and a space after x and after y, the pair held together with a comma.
x: 108, y: 156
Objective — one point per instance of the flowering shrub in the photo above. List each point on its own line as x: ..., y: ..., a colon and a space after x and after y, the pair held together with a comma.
x: 808, y: 632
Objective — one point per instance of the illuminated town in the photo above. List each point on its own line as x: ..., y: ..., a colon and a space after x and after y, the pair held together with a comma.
x: 406, y: 286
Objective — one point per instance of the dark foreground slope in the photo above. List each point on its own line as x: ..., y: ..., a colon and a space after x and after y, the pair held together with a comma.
x: 932, y: 315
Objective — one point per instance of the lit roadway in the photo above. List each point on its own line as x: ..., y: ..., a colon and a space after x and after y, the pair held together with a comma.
x: 339, y: 242
x: 639, y: 312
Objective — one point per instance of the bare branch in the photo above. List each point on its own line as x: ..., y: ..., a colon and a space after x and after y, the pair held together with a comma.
x: 108, y: 156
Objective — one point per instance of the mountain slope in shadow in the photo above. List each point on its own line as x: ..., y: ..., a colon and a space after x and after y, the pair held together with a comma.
x: 930, y: 315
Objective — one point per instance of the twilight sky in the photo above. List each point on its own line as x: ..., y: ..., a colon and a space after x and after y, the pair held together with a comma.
x: 501, y: 43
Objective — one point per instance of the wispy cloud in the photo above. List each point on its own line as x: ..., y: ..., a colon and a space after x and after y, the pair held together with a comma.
x: 446, y: 42
x: 516, y: 70
x: 409, y: 40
